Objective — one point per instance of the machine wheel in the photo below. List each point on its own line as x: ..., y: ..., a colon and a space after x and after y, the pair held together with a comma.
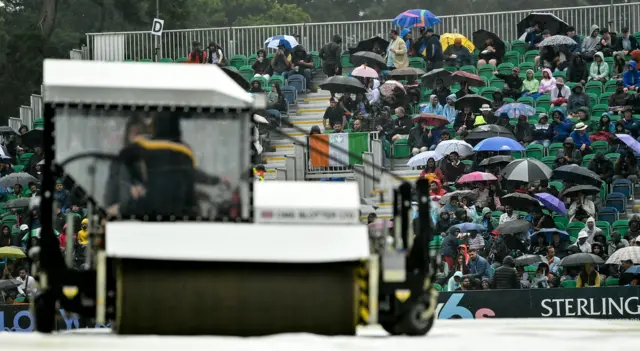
x: 45, y: 312
x: 391, y: 328
x: 412, y: 322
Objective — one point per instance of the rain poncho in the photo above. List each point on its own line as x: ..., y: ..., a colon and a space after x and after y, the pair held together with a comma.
x: 449, y: 111
x: 373, y: 95
x: 563, y: 128
x: 631, y: 77
x: 83, y: 234
x: 591, y: 232
x: 547, y: 84
x: 453, y: 285
x: 599, y: 71
x: 531, y: 85
x: 589, y: 43
x: 430, y: 108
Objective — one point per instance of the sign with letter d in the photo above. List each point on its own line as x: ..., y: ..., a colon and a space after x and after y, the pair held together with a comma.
x: 158, y: 25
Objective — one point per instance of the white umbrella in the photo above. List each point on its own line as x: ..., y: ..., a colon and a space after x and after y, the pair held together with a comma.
x: 365, y: 72
x: 422, y: 158
x: 628, y: 253
x: 287, y: 40
x: 461, y: 147
x: 557, y: 40
x: 259, y: 119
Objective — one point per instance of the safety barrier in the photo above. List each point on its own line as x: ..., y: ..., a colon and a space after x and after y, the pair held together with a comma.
x: 117, y: 46
x: 337, y: 170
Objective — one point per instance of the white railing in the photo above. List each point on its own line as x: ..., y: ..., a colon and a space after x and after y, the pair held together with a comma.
x: 118, y: 46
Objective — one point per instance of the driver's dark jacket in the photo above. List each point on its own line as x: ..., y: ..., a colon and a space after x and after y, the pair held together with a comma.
x: 167, y: 170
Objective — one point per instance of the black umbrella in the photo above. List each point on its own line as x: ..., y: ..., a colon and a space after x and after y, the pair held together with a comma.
x: 7, y: 130
x: 500, y: 160
x: 17, y: 178
x: 526, y: 170
x: 486, y: 131
x: 18, y: 203
x: 9, y: 284
x: 406, y: 72
x: 580, y: 259
x: 519, y: 201
x: 369, y: 45
x: 547, y: 21
x: 342, y: 84
x: 460, y: 194
x: 432, y: 76
x: 526, y: 260
x: 32, y: 138
x: 513, y: 227
x: 472, y: 100
x: 481, y: 36
x: 574, y: 191
x: 237, y: 77
x: 577, y: 174
x: 370, y: 59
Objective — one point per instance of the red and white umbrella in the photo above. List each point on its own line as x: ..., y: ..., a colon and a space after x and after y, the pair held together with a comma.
x: 431, y: 119
x: 365, y: 72
x: 389, y: 86
x: 477, y: 177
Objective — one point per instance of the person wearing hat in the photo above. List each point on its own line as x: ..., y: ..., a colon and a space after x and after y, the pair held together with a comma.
x: 431, y: 50
x: 571, y: 33
x: 433, y: 106
x: 487, y: 114
x: 542, y: 131
x: 405, y: 34
x: 560, y: 93
x: 457, y: 55
x: 281, y: 62
x: 397, y: 52
x: 581, y: 139
x: 626, y: 42
x: 578, y: 99
x: 569, y: 154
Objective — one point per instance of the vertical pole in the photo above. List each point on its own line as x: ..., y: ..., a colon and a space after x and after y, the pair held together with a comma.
x: 156, y: 38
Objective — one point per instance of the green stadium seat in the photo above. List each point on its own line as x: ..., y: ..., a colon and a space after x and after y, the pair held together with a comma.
x: 247, y: 72
x: 535, y: 151
x: 558, y: 185
x: 610, y: 86
x: 600, y: 146
x: 544, y: 101
x: 587, y: 159
x: 614, y: 157
x: 568, y: 284
x: 574, y: 228
x: 450, y: 68
x: 417, y: 62
x: 18, y: 168
x: 519, y: 46
x: 554, y: 148
x: 611, y: 281
x: 512, y: 57
x: 524, y: 66
x: 505, y: 68
x: 606, y: 228
x: 25, y: 158
x: 598, y: 110
x: 182, y: 60
x: 488, y: 92
x: 277, y: 80
x: 549, y: 161
x: 562, y: 74
x: 166, y: 60
x: 401, y: 149
x: 345, y: 60
x: 594, y: 87
x: 530, y: 55
x: 317, y: 61
x: 604, y: 98
x: 527, y: 101
x: 238, y: 61
x: 469, y: 69
x: 38, y: 123
x: 486, y: 71
x: 497, y: 83
x: 621, y: 226
x: 146, y: 60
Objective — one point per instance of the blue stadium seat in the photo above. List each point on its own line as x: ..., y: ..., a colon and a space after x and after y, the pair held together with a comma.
x: 298, y: 81
x: 608, y: 214
x: 617, y: 201
x: 623, y: 186
x: 290, y: 94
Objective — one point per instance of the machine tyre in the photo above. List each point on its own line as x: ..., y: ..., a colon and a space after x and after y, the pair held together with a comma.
x: 412, y: 323
x: 45, y: 312
x: 391, y: 328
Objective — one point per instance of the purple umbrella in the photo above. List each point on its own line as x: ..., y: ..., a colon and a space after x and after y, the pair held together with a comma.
x: 551, y: 202
x: 632, y: 143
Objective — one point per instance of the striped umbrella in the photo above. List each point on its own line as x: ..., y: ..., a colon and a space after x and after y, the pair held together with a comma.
x: 516, y: 109
x: 477, y: 177
x: 288, y: 41
x: 416, y: 18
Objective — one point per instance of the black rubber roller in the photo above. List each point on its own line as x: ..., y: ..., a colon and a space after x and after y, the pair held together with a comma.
x: 206, y: 298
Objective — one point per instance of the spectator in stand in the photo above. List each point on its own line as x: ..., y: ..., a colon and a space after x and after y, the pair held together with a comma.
x: 577, y: 70
x: 457, y: 55
x: 333, y: 114
x: 397, y: 52
x: 302, y: 64
x: 603, y: 167
x: 626, y: 42
x: 581, y: 246
x: 599, y: 68
x: 489, y: 54
x: 523, y: 131
x: 432, y: 172
x: 431, y: 50
x: 540, y: 280
x: 560, y: 93
x: 547, y: 83
x: 281, y: 61
x: 552, y: 260
x: 433, y: 107
x: 560, y: 126
x: 403, y: 125
x: 275, y: 102
x: 588, y: 277
x: 508, y: 215
x: 542, y: 133
x: 449, y: 247
x: 256, y: 87
x: 476, y: 242
x: 620, y: 97
x: 262, y: 65
x: 581, y: 138
x: 452, y: 168
x: 589, y: 43
x: 530, y: 85
x: 498, y: 101
x: 442, y: 92
x: 617, y: 242
x: 28, y: 286
x: 214, y: 54
x: 449, y: 111
x: 627, y: 167
x: 619, y: 66
x: 486, y: 220
x: 478, y: 266
x: 418, y: 138
x: 454, y: 281
x: 338, y: 128
x: 580, y: 210
x: 631, y: 127
x: 514, y: 84
x: 577, y: 99
x: 534, y: 37
x: 197, y: 55
x: 560, y: 247
x: 571, y: 33
x: 506, y: 276
x: 631, y: 78
x: 330, y: 55
x: 606, y: 45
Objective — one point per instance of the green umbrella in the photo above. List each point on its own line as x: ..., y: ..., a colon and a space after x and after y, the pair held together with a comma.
x: 35, y: 233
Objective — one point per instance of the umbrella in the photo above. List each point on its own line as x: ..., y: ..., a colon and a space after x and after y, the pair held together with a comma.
x: 406, y: 72
x: 287, y: 41
x: 447, y: 39
x: 526, y: 170
x: 516, y: 109
x: 513, y: 227
x: 431, y: 119
x: 6, y: 284
x: 432, y: 76
x: 574, y: 191
x: 422, y: 158
x: 7, y: 130
x: 372, y: 44
x: 365, y: 72
x: 474, y: 101
x: 18, y: 203
x: 390, y: 86
x: 500, y: 160
x: 548, y: 232
x: 17, y: 178
x: 448, y: 146
x: 486, y: 131
x: 556, y: 40
x: 632, y: 143
x: 527, y: 260
x: 547, y: 21
x: 632, y: 270
x: 498, y: 144
x: 576, y: 174
x: 481, y: 36
x: 472, y: 80
x: 580, y: 259
x: 477, y: 177
x: 467, y: 227
x: 341, y: 84
x: 624, y: 254
x: 369, y: 58
x: 519, y: 201
x: 11, y: 252
x: 551, y: 202
x: 36, y: 234
x: 237, y: 77
x: 32, y: 138
x: 460, y: 194
x: 416, y: 18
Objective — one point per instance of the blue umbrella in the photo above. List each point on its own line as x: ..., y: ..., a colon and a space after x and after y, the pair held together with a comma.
x: 287, y: 41
x: 498, y: 144
x: 466, y: 227
x: 633, y: 270
x: 548, y: 232
x: 551, y: 202
x: 416, y: 18
x: 516, y: 109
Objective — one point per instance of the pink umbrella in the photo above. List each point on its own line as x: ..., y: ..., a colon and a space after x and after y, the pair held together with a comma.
x: 477, y: 177
x: 365, y: 72
x: 389, y: 86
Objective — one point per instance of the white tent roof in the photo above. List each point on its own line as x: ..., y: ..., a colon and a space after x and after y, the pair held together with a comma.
x: 140, y: 84
x: 307, y: 195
